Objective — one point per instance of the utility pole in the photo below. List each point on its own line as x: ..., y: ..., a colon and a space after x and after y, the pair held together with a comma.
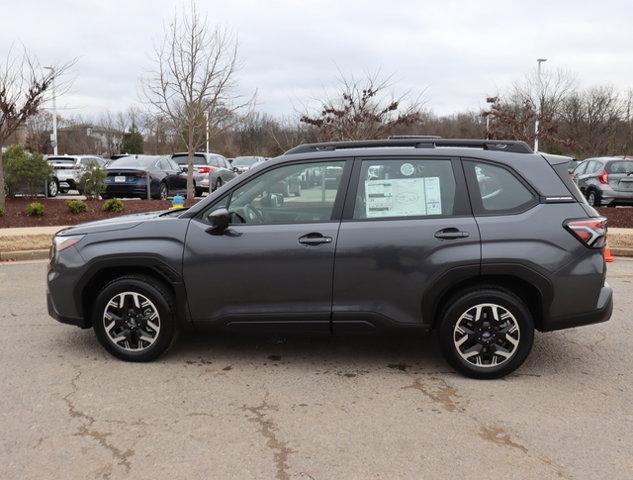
x: 539, y: 61
x: 206, y: 117
x: 54, y: 135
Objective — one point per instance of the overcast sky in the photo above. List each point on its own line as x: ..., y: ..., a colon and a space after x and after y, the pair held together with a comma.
x: 459, y: 51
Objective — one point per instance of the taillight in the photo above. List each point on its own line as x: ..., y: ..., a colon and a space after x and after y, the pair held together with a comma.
x: 590, y: 231
x: 205, y: 169
x: 603, y: 177
x: 573, y: 176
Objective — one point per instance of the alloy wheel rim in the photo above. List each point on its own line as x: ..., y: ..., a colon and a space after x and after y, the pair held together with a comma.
x: 486, y: 335
x: 163, y: 191
x: 131, y: 321
x: 592, y: 199
x: 52, y: 188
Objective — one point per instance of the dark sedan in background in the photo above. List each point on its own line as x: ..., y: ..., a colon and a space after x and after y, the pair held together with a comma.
x: 128, y: 176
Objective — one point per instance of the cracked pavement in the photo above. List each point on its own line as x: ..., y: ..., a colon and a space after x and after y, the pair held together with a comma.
x: 221, y: 406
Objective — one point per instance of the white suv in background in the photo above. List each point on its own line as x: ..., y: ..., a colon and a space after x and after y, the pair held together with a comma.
x: 66, y: 171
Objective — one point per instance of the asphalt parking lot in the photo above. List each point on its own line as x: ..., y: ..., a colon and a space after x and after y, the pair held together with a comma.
x: 220, y: 406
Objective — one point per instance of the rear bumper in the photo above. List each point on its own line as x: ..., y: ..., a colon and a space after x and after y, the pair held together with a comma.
x: 608, y: 195
x: 129, y: 190
x: 602, y: 313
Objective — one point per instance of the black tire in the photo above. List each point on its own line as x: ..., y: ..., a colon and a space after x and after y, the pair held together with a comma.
x: 163, y: 191
x: 594, y: 198
x: 52, y: 188
x: 157, y: 293
x: 218, y: 184
x: 199, y: 191
x: 459, y: 305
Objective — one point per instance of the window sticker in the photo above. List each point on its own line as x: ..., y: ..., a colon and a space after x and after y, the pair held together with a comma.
x: 407, y: 169
x: 403, y: 197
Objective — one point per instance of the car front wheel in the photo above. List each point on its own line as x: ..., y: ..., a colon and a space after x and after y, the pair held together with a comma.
x: 486, y: 332
x: 133, y: 318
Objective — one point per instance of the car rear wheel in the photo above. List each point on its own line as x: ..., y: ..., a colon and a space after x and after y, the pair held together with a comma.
x: 52, y: 188
x: 199, y: 191
x: 486, y: 332
x: 218, y: 184
x: 163, y: 191
x: 133, y: 318
x: 593, y: 198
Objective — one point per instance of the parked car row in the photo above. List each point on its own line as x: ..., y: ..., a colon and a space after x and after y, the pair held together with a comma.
x: 605, y: 181
x: 128, y: 175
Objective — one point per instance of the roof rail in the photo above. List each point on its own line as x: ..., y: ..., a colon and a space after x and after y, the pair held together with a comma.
x: 410, y: 137
x: 513, y: 146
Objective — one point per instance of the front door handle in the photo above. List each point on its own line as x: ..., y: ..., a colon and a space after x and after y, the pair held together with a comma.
x: 314, y: 238
x: 451, y: 234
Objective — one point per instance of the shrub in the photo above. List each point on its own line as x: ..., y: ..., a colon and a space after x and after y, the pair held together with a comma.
x: 35, y: 209
x: 113, y: 205
x: 91, y: 180
x: 24, y: 171
x: 76, y: 206
x: 1, y: 212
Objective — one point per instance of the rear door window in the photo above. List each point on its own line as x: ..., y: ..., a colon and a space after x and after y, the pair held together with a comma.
x: 396, y: 188
x: 496, y: 190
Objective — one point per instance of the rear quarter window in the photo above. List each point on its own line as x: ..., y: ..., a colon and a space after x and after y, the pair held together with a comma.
x: 496, y: 190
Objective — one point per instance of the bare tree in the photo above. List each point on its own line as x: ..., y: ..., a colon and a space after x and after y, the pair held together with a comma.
x: 512, y: 116
x: 194, y: 76
x: 592, y: 118
x: 24, y: 86
x: 362, y: 109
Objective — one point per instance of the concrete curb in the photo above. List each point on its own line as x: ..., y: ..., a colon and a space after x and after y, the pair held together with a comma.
x: 18, y: 255
x: 29, y: 238
x: 34, y: 242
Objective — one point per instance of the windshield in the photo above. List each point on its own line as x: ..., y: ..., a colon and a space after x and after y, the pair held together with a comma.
x: 133, y: 162
x: 181, y: 159
x: 244, y: 161
x: 622, y: 166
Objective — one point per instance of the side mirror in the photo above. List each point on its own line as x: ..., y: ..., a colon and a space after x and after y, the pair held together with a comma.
x: 220, y: 220
x: 184, y: 169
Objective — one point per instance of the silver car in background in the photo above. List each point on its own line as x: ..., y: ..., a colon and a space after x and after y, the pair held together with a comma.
x: 245, y: 163
x: 210, y: 170
x: 605, y: 181
x: 66, y: 170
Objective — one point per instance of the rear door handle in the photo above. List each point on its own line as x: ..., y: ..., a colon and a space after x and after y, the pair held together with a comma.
x: 314, y: 239
x: 451, y: 234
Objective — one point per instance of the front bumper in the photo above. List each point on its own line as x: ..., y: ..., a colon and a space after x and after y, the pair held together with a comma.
x: 52, y: 311
x: 602, y: 313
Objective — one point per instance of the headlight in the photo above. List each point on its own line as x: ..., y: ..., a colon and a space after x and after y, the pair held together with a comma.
x: 62, y: 243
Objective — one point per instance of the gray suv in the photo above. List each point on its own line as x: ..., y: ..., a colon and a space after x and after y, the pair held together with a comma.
x: 211, y: 170
x: 605, y: 181
x: 482, y: 241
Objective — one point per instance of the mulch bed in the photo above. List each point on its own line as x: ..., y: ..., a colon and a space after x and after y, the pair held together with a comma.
x: 619, y: 217
x: 56, y: 212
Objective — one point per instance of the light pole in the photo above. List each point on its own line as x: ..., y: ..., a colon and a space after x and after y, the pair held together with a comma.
x: 539, y: 61
x: 206, y: 127
x: 54, y: 136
